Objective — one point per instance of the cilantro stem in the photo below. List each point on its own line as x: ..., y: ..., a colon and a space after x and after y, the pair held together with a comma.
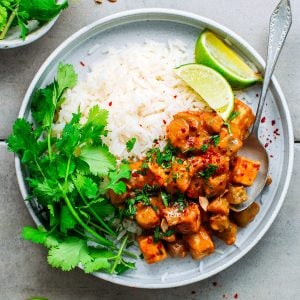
x: 9, y: 22
x: 40, y: 169
x: 101, y: 239
x: 119, y: 254
x: 109, y: 230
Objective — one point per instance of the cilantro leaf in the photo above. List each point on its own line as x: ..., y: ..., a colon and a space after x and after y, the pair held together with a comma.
x: 66, y: 76
x: 67, y: 221
x: 24, y: 141
x: 37, y: 236
x: 69, y: 253
x: 99, y: 159
x: 100, y: 261
x: 130, y: 144
x: 97, y: 116
x: 87, y: 187
x: 42, y: 10
x: 118, y: 186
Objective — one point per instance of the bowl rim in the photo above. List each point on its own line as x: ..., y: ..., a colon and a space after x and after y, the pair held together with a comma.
x: 290, y: 138
x: 31, y: 37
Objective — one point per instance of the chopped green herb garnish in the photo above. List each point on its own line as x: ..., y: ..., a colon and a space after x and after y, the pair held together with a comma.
x: 180, y: 201
x: 204, y: 148
x: 208, y: 172
x: 157, y: 234
x: 233, y: 115
x: 228, y: 127
x: 130, y: 144
x: 165, y: 198
x: 215, y: 139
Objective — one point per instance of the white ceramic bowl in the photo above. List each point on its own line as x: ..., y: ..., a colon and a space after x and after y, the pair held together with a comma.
x: 161, y: 25
x: 13, y: 40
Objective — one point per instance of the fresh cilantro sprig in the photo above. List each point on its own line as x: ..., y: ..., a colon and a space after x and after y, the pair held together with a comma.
x: 20, y: 12
x: 66, y: 176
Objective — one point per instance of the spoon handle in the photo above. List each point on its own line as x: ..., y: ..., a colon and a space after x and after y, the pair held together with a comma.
x: 280, y: 23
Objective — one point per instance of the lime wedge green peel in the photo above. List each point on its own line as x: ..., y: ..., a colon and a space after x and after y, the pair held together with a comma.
x: 210, y: 85
x: 214, y: 53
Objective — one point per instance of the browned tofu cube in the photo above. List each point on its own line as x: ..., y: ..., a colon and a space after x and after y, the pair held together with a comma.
x: 160, y: 174
x: 244, y: 170
x: 139, y: 176
x: 200, y: 244
x: 246, y: 216
x: 116, y: 199
x: 195, y: 189
x: 244, y: 118
x: 213, y: 122
x: 169, y: 239
x: 219, y: 222
x: 153, y: 252
x: 177, y: 249
x: 186, y: 221
x: 236, y: 194
x: 215, y: 185
x: 229, y: 234
x: 229, y: 144
x: 219, y: 205
x: 146, y: 216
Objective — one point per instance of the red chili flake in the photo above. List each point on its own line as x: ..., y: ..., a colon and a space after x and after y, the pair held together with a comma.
x: 214, y: 283
x: 175, y: 96
x: 235, y: 295
x: 82, y: 63
x: 149, y: 240
x: 263, y: 119
x: 257, y: 95
x: 140, y: 125
x: 134, y: 174
x: 271, y: 156
x: 183, y: 130
x: 273, y: 122
x: 159, y: 246
x: 266, y: 145
x: 165, y: 122
x: 276, y: 131
x: 110, y: 103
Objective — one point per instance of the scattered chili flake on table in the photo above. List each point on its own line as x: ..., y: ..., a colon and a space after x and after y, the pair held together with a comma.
x: 276, y: 131
x: 82, y: 63
x: 235, y: 295
x: 263, y: 120
x: 110, y: 103
x: 214, y: 283
x: 273, y: 122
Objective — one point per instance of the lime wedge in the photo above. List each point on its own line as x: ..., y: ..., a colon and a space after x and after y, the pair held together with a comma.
x: 210, y: 85
x: 214, y: 53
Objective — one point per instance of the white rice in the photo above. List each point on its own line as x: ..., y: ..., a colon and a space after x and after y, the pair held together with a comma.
x: 138, y: 87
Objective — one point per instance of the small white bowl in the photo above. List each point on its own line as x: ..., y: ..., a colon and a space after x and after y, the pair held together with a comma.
x: 13, y: 40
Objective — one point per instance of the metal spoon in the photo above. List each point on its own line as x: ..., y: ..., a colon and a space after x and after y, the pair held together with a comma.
x: 280, y: 23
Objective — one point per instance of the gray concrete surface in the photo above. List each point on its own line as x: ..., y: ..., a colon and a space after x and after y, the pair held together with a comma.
x: 270, y: 271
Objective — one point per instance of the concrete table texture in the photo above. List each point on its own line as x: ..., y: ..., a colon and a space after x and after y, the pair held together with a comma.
x: 270, y: 271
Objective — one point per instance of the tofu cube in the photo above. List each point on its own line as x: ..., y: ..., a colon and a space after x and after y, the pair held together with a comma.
x: 219, y: 205
x: 215, y: 185
x: 219, y: 222
x: 244, y: 119
x: 244, y: 171
x: 228, y: 235
x: 153, y: 252
x: 246, y: 216
x: 186, y: 221
x: 177, y: 249
x: 146, y: 216
x: 200, y: 244
x: 236, y: 194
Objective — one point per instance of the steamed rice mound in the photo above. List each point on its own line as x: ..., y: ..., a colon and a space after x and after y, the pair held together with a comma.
x: 138, y: 87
